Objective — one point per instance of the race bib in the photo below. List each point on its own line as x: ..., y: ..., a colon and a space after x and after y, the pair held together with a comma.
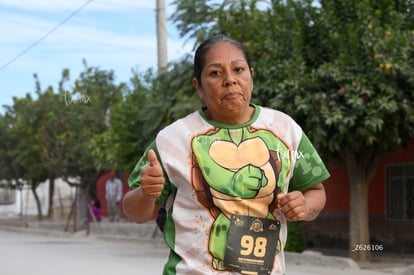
x: 251, y: 245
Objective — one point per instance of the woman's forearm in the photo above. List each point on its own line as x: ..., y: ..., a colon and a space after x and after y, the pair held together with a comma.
x: 138, y: 207
x: 315, y: 201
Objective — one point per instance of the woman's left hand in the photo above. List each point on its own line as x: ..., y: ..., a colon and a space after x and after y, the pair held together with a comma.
x: 293, y: 205
x: 302, y: 206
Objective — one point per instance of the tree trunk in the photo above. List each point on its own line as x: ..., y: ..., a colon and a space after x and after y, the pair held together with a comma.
x: 361, y: 167
x: 36, y: 197
x: 358, y: 218
x: 51, y: 195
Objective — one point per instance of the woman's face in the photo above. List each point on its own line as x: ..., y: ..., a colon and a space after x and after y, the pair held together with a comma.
x: 226, y: 84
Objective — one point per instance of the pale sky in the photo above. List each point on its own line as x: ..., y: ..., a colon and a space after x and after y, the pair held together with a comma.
x: 116, y: 35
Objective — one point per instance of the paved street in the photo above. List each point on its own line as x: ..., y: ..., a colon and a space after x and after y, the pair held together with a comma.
x: 34, y: 254
x: 39, y: 254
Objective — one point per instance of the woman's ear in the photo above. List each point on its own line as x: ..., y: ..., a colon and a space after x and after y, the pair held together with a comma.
x: 252, y: 72
x: 198, y: 87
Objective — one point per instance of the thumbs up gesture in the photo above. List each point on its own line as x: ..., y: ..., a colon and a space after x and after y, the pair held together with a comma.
x: 152, y: 177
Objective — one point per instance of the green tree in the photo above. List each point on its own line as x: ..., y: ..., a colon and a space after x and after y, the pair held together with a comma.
x: 50, y: 137
x: 152, y: 103
x: 26, y: 151
x: 120, y: 145
x: 87, y: 108
x: 361, y: 94
x: 9, y: 169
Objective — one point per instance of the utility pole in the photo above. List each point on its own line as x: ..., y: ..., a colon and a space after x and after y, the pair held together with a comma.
x: 161, y: 36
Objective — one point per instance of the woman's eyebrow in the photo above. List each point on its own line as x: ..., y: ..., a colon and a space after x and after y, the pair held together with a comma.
x: 238, y: 60
x: 219, y: 64
x: 213, y: 65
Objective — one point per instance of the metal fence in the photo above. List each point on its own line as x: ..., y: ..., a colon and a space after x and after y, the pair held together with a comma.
x: 399, y: 181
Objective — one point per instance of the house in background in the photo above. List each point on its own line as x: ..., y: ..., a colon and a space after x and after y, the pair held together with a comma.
x: 390, y: 204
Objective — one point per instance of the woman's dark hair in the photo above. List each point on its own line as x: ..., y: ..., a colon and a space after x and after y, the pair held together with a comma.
x: 204, y: 47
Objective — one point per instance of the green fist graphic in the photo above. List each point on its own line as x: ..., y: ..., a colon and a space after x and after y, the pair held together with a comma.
x: 248, y: 180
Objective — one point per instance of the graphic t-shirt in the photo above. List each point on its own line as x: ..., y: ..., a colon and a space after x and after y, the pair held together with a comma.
x: 220, y: 177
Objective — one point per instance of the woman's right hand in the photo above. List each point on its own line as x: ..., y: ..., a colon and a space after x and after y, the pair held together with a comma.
x: 152, y: 177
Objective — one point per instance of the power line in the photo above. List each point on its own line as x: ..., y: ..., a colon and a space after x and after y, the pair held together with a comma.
x: 45, y: 36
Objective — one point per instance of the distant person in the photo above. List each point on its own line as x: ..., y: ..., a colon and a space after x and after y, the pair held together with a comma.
x: 95, y: 211
x: 113, y: 195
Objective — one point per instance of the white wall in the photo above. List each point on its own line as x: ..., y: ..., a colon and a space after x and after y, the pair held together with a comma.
x: 25, y: 203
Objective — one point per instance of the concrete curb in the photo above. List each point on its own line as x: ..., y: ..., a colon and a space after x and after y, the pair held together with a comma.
x: 316, y: 258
